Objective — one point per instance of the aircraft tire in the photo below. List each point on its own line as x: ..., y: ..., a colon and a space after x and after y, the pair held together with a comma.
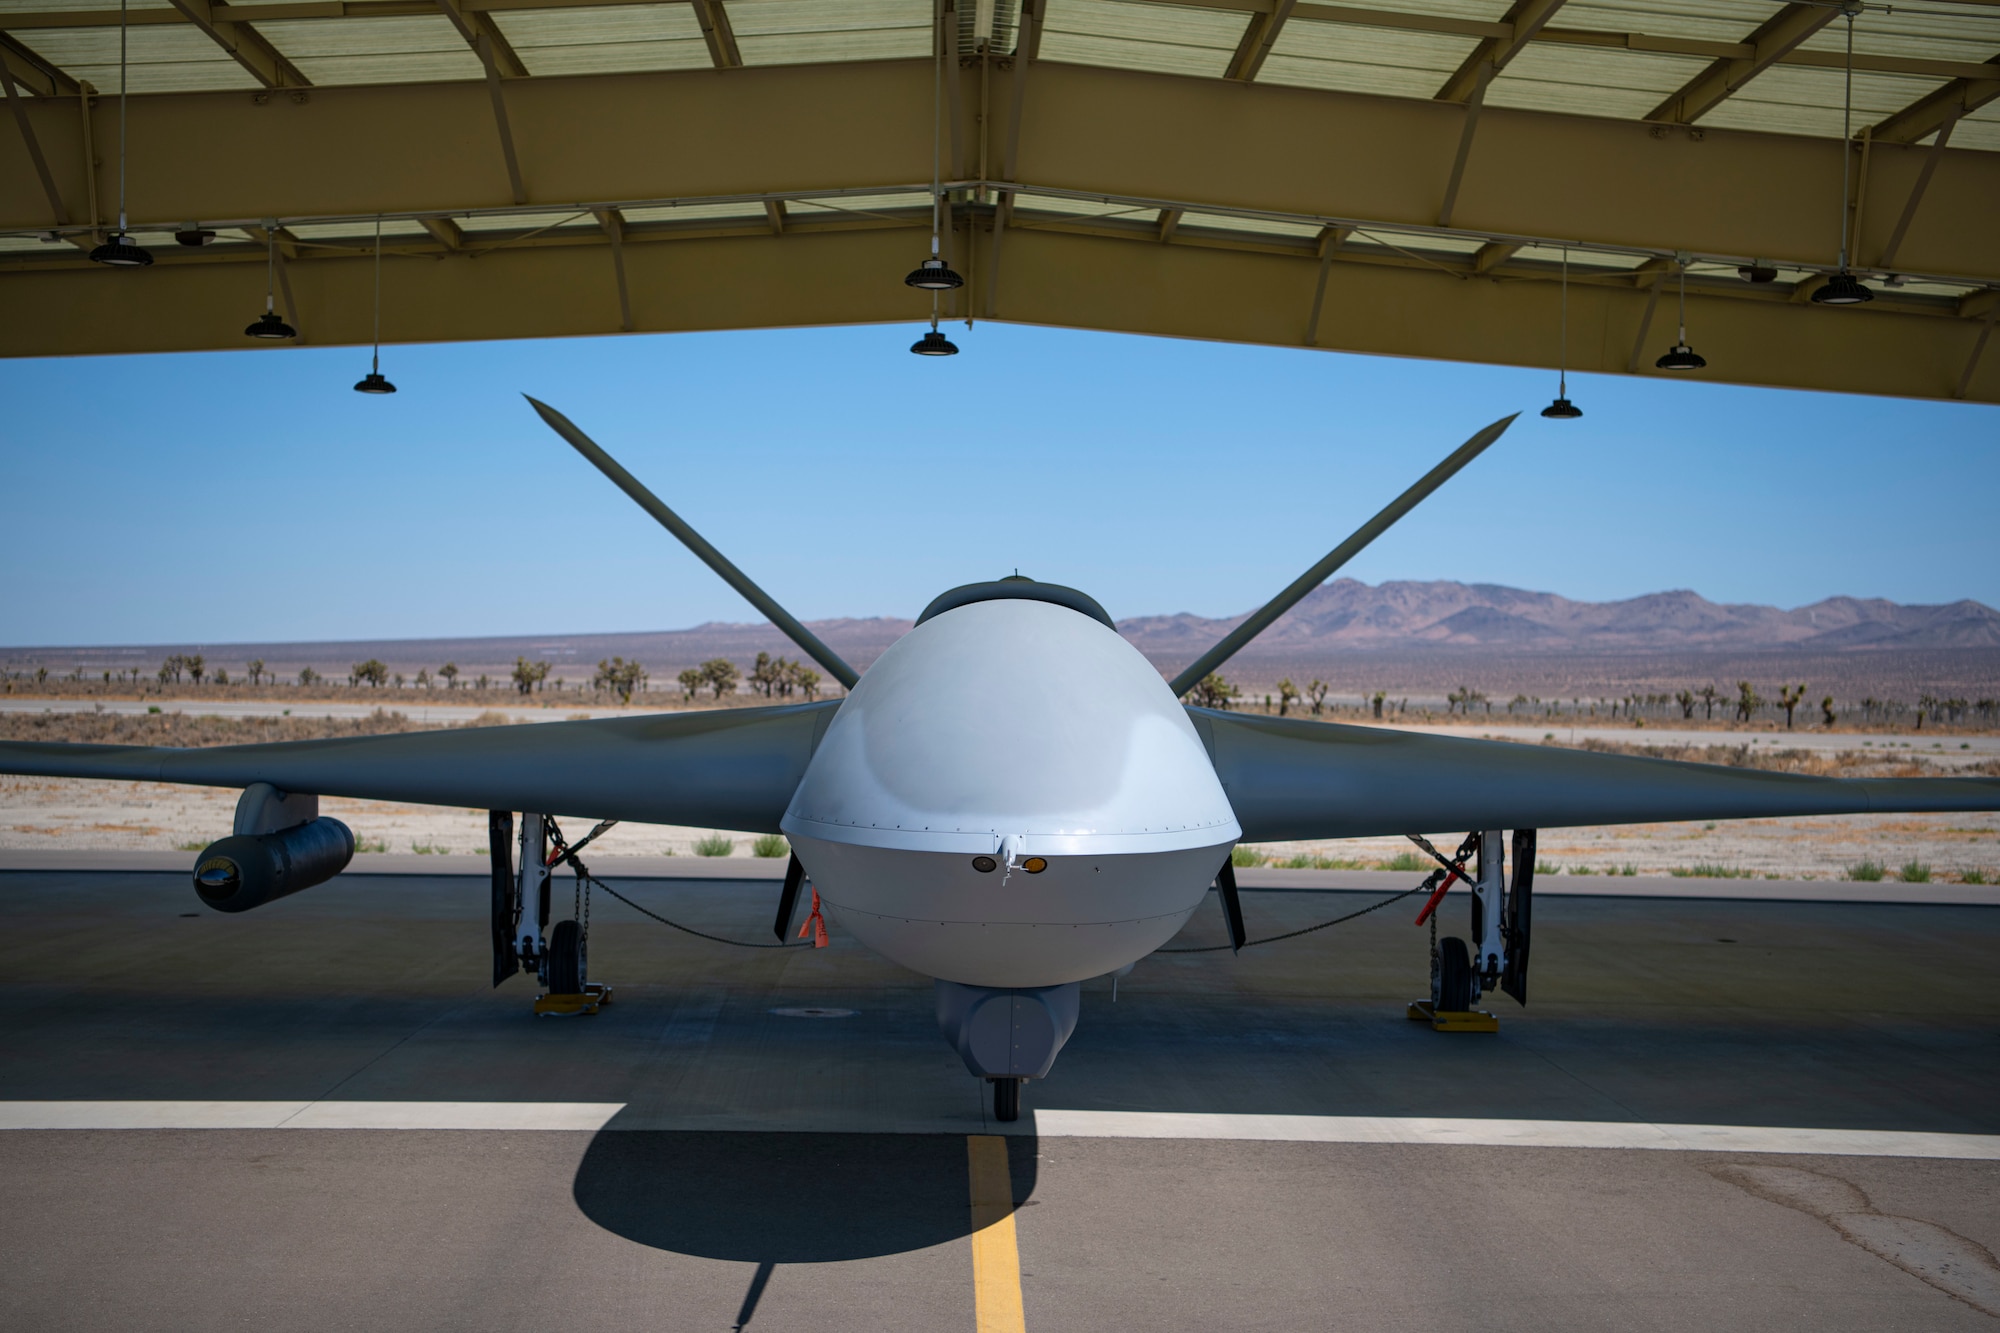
x: 1454, y: 976
x: 566, y: 959
x: 1006, y: 1099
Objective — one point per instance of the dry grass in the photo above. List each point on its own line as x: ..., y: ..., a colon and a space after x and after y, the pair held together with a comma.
x: 201, y: 730
x: 1817, y: 763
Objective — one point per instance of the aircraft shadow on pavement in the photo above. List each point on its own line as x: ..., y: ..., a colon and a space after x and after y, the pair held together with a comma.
x: 775, y: 1198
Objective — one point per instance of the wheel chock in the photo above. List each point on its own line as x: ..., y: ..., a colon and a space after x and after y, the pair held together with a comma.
x: 1452, y: 1020
x: 592, y: 998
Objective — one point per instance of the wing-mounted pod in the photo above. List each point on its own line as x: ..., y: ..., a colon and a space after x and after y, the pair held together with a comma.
x: 280, y: 845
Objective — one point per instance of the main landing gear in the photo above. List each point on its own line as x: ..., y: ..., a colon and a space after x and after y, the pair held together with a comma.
x: 1497, y: 955
x: 1006, y: 1098
x: 558, y: 953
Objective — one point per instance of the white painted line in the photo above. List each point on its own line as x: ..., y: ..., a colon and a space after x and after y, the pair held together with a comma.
x: 1515, y: 1133
x: 590, y: 1117
x: 587, y: 1116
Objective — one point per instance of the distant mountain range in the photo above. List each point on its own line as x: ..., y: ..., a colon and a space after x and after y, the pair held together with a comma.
x: 1351, y: 615
x: 1442, y: 621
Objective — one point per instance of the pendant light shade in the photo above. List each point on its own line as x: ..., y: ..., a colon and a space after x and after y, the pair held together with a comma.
x: 373, y: 382
x: 1842, y: 289
x: 1562, y: 409
x: 1681, y: 357
x: 194, y: 236
x: 934, y: 344
x: 121, y: 251
x: 934, y: 275
x: 268, y: 326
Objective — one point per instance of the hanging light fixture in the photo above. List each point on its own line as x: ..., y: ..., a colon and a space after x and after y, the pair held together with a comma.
x: 374, y: 383
x: 267, y: 325
x: 1843, y: 288
x: 119, y: 249
x: 1680, y: 356
x: 1562, y: 409
x: 934, y: 344
x: 934, y: 275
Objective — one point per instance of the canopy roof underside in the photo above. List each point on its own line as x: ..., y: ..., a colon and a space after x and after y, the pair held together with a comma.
x: 1466, y: 100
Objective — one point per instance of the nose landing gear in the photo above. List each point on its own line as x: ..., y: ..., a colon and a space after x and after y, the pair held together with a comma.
x: 1006, y: 1098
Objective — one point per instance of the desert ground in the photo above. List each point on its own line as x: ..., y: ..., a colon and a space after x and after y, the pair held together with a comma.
x: 69, y: 814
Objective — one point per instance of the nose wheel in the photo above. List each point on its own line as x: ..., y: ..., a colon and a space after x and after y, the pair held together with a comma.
x: 1007, y: 1098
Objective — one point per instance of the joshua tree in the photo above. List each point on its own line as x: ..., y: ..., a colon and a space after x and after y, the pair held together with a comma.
x: 1380, y: 697
x: 618, y: 676
x: 450, y: 673
x: 307, y: 676
x: 691, y: 682
x: 1790, y: 697
x: 807, y: 680
x: 423, y: 679
x: 1213, y: 692
x: 721, y: 675
x: 371, y: 671
x: 1686, y: 700
x: 1748, y: 701
x: 1288, y: 694
x: 1317, y: 693
x: 527, y: 675
x: 1826, y: 711
x: 195, y: 667
x: 1708, y: 702
x: 256, y: 669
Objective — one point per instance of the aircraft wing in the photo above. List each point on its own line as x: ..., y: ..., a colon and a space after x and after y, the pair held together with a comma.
x: 1290, y: 779
x: 728, y: 769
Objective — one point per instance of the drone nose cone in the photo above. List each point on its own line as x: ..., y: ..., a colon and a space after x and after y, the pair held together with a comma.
x: 1012, y: 717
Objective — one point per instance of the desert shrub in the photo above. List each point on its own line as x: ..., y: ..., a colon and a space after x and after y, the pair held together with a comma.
x: 770, y: 844
x: 1406, y: 861
x: 1240, y: 855
x: 1973, y: 877
x: 1866, y: 872
x: 1710, y: 870
x: 1915, y: 872
x: 715, y: 844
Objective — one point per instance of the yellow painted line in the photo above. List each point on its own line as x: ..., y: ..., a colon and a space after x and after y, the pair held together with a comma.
x: 996, y: 1255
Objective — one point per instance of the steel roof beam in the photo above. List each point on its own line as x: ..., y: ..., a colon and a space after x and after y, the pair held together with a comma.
x: 1773, y: 39
x: 473, y: 25
x: 1259, y: 37
x: 717, y: 32
x: 1524, y: 19
x: 1928, y: 114
x: 243, y: 44
x: 38, y: 76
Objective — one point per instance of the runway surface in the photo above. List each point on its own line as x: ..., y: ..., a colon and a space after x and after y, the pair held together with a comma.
x: 1244, y: 1142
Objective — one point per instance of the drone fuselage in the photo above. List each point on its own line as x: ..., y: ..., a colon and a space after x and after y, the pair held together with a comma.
x: 1029, y: 738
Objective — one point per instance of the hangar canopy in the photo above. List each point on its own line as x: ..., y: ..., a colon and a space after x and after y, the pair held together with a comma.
x: 1405, y: 178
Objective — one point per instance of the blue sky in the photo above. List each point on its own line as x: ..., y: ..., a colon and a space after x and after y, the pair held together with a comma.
x: 251, y: 495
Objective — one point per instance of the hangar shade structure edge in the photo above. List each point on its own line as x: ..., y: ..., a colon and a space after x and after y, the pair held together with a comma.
x: 1391, y: 180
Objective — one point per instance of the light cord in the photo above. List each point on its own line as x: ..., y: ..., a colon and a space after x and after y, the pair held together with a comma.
x: 937, y: 133
x: 1562, y: 376
x: 375, y: 362
x: 122, y: 24
x: 1684, y: 304
x: 1846, y: 138
x: 271, y: 268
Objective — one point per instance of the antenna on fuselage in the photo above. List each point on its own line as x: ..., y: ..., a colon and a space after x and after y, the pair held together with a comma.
x: 807, y: 641
x: 1261, y: 620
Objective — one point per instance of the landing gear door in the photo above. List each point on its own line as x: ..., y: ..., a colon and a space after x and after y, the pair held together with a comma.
x: 1518, y: 915
x: 506, y: 893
